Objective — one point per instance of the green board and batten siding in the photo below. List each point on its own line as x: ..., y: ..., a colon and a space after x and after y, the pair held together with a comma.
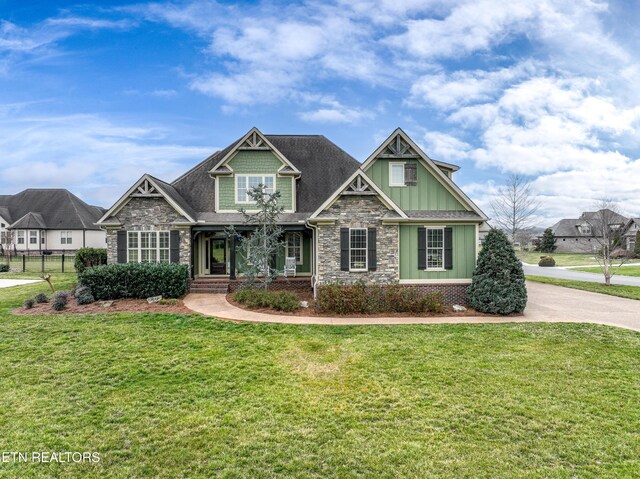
x: 464, y: 254
x: 253, y: 162
x: 428, y: 194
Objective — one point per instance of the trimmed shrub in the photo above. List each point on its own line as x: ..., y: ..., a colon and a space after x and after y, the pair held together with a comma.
x: 89, y: 257
x: 136, y: 280
x: 41, y: 298
x: 61, y: 296
x: 59, y: 303
x: 357, y: 298
x: 498, y: 281
x: 4, y: 268
x: 620, y: 253
x: 83, y: 295
x: 278, y: 300
x: 546, y: 261
x: 28, y: 303
x: 433, y: 302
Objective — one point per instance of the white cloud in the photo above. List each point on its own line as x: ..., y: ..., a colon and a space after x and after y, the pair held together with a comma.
x: 89, y: 154
x: 335, y: 112
x: 445, y: 147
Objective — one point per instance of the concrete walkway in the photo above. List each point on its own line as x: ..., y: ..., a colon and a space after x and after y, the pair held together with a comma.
x: 9, y: 283
x: 563, y: 273
x: 547, y: 303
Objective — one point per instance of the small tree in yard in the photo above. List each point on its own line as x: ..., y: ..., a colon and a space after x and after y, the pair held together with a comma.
x: 498, y: 281
x: 514, y: 206
x: 547, y: 242
x: 605, y: 225
x: 262, y: 245
x: 636, y: 248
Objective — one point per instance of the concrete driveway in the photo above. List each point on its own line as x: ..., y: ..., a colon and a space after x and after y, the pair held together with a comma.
x: 9, y: 283
x: 565, y: 273
x: 547, y: 303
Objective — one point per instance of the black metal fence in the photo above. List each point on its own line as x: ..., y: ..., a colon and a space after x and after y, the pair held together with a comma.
x: 41, y: 263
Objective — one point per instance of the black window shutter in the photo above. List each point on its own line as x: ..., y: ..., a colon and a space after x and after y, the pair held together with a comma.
x: 344, y: 249
x: 122, y: 246
x: 174, y: 246
x: 410, y: 174
x: 371, y: 246
x: 422, y: 247
x: 448, y: 248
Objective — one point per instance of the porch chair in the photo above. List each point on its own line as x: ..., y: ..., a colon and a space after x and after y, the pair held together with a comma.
x: 290, y: 266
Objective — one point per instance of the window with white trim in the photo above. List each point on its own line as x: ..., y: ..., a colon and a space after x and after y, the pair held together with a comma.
x: 66, y: 237
x: 246, y: 183
x: 396, y: 174
x: 294, y: 246
x: 33, y: 237
x: 148, y: 246
x: 20, y: 236
x: 435, y: 248
x: 358, y: 249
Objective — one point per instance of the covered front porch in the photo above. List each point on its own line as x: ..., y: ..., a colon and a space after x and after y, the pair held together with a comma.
x: 215, y: 255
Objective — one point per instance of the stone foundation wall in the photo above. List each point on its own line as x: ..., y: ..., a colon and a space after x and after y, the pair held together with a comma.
x: 453, y: 293
x: 148, y: 214
x: 357, y: 212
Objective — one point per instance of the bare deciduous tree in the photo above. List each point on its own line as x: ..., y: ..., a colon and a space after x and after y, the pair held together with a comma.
x: 514, y: 206
x: 604, y: 228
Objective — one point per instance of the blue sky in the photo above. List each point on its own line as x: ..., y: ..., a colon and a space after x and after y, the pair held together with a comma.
x: 94, y: 95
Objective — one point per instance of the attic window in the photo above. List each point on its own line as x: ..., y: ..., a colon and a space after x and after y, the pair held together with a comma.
x: 585, y: 229
x: 396, y: 174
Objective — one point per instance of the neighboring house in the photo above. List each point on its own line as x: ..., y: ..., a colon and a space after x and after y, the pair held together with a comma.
x: 36, y: 220
x: 579, y: 235
x: 398, y: 217
x: 629, y: 233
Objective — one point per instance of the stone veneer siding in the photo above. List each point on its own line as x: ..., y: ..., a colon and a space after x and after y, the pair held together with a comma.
x: 357, y: 212
x: 148, y: 214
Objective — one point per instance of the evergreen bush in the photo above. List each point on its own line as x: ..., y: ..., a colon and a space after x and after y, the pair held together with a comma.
x: 547, y: 242
x: 41, y: 298
x: 546, y: 261
x: 83, y: 295
x: 278, y: 300
x: 28, y: 303
x: 498, y: 281
x: 4, y: 268
x: 89, y: 257
x: 136, y: 280
x: 636, y: 249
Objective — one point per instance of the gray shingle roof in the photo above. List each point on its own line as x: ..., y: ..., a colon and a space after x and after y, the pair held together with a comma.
x: 568, y: 227
x: 324, y: 168
x: 30, y: 221
x: 55, y: 208
x: 444, y: 214
x: 171, y: 192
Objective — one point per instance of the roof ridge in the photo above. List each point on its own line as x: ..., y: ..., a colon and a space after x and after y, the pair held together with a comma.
x: 75, y: 208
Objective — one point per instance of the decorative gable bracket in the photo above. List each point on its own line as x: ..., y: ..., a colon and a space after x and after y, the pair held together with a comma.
x: 147, y: 190
x: 398, y: 148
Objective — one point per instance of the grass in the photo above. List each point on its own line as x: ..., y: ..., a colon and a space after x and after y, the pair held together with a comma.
x: 167, y: 396
x: 622, y: 270
x: 630, y: 292
x: 562, y: 259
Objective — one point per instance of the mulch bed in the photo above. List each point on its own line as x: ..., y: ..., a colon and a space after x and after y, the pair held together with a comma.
x: 118, y: 306
x: 311, y: 311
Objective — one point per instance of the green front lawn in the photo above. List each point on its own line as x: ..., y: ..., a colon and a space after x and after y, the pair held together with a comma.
x: 622, y: 270
x: 562, y: 259
x: 630, y: 292
x: 186, y: 396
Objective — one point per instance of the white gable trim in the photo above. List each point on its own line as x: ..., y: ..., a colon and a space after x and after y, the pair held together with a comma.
x: 124, y: 199
x: 388, y: 202
x: 431, y: 166
x: 273, y: 149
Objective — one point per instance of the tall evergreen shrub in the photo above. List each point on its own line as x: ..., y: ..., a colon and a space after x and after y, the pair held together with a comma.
x: 498, y: 281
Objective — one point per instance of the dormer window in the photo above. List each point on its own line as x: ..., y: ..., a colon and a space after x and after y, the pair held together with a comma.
x: 585, y: 229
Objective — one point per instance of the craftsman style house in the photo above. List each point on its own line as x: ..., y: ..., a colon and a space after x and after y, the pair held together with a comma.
x: 397, y: 217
